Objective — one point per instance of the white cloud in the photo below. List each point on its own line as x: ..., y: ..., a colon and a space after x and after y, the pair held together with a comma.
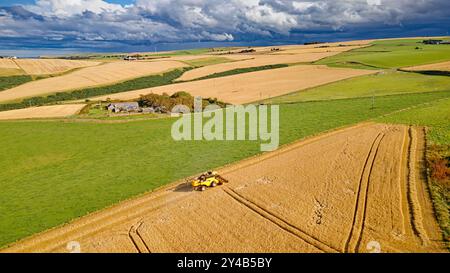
x: 215, y: 20
x: 64, y: 8
x: 304, y: 6
x: 270, y: 18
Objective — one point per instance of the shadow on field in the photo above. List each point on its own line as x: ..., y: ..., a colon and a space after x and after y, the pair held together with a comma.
x: 184, y: 187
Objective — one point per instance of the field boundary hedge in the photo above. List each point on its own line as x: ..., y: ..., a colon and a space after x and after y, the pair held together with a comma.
x: 130, y: 85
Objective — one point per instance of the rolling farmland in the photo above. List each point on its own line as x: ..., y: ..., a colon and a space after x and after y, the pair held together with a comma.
x: 92, y: 76
x: 250, y: 87
x: 56, y: 111
x: 363, y: 165
x: 47, y: 158
x: 445, y: 66
x: 44, y: 66
x: 325, y: 207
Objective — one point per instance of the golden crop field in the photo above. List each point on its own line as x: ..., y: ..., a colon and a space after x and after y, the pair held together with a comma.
x: 337, y: 192
x: 87, y: 77
x: 250, y: 87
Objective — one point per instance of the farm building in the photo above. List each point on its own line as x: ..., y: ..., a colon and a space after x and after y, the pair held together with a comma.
x: 130, y: 58
x: 433, y: 42
x: 124, y: 107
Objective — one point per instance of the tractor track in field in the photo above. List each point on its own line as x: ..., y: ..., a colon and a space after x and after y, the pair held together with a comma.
x: 403, y: 191
x: 413, y: 199
x: 362, y: 197
x: 374, y: 193
x: 137, y: 240
x: 89, y: 226
x: 284, y: 225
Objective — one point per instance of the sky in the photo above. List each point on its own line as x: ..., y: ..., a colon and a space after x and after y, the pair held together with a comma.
x: 44, y: 27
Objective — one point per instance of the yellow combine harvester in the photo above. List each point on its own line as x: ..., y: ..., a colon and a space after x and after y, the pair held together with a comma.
x: 208, y: 180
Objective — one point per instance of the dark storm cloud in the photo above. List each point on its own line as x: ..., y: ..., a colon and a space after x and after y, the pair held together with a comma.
x: 156, y: 21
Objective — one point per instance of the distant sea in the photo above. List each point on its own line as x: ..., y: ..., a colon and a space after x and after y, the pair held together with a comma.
x: 23, y: 51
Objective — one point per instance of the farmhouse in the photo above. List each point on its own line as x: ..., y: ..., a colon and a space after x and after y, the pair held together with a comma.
x: 433, y: 42
x: 130, y: 58
x: 124, y: 107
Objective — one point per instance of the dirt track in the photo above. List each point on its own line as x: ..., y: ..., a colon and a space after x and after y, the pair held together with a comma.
x: 352, y: 190
x: 87, y: 77
x: 55, y: 111
x: 251, y: 87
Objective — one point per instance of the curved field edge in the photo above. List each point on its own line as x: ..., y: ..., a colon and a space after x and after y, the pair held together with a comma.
x: 436, y: 117
x: 130, y: 85
x: 11, y: 81
x: 49, y: 239
x: 389, y: 54
x: 51, y: 167
x: 380, y: 84
x: 7, y: 82
x: 239, y: 71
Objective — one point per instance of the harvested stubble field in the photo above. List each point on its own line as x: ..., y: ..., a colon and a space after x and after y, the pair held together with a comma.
x: 339, y: 192
x: 250, y: 87
x: 55, y: 111
x: 87, y: 77
x: 293, y: 49
x: 290, y: 56
x: 445, y: 66
x: 44, y: 66
x: 8, y: 64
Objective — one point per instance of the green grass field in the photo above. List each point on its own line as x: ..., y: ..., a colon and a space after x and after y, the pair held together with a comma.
x: 12, y: 81
x: 435, y: 115
x: 388, y: 83
x: 390, y: 54
x: 53, y: 172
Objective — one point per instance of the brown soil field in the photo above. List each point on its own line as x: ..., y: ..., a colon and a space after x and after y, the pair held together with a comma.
x: 445, y: 66
x: 55, y: 111
x: 251, y: 87
x: 359, y: 189
x: 108, y: 73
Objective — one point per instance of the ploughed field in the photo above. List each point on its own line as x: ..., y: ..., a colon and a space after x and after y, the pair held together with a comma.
x: 359, y: 189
